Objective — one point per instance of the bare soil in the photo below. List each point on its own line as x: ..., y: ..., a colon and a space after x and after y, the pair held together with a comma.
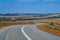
x: 49, y: 30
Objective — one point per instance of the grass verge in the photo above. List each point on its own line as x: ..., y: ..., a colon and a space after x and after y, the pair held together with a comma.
x: 54, y: 31
x: 6, y: 24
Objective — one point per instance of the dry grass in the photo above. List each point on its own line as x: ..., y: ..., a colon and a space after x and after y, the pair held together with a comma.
x: 53, y: 30
x: 5, y: 24
x: 8, y: 23
x: 49, y: 30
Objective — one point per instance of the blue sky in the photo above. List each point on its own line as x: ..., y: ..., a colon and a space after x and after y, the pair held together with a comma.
x: 29, y: 6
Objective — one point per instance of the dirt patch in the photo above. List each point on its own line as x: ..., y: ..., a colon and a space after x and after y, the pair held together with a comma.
x: 49, y: 30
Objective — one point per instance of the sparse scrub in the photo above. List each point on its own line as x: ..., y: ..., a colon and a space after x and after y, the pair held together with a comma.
x: 4, y: 24
x: 55, y: 31
x: 51, y: 23
x: 51, y: 28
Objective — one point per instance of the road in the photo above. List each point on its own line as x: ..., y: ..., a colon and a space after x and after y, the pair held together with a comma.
x: 25, y: 32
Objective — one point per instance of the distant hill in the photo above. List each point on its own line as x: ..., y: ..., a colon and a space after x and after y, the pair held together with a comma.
x: 18, y: 14
x: 27, y: 16
x: 9, y: 14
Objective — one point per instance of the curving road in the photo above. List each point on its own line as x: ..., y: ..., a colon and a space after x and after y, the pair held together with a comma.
x: 25, y: 32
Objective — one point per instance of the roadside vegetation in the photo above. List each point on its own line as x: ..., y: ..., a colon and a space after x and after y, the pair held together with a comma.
x: 51, y: 27
x: 6, y: 24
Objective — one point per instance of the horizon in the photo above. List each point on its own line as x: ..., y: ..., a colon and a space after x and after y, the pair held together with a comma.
x: 29, y: 6
x: 29, y: 13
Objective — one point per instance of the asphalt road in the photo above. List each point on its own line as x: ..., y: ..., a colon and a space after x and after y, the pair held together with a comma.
x: 25, y: 32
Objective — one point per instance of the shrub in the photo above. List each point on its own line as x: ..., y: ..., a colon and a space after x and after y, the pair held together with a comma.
x: 51, y: 23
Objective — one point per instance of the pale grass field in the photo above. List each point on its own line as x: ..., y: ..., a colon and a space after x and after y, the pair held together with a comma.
x: 49, y: 30
x: 9, y: 23
x: 55, y: 26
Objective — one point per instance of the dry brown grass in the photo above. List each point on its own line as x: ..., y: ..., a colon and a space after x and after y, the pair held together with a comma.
x: 5, y: 24
x: 56, y: 22
x: 49, y: 30
x: 8, y: 23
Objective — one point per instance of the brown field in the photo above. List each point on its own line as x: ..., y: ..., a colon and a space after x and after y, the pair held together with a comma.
x: 4, y: 24
x: 54, y: 31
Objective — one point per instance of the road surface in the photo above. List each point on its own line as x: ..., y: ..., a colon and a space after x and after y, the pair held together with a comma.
x: 25, y: 32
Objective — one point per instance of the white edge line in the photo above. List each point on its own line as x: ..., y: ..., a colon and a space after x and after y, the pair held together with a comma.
x: 22, y: 29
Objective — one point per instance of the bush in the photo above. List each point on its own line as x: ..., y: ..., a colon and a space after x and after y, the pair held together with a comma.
x: 51, y: 23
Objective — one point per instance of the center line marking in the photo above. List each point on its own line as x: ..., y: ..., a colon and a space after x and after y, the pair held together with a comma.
x: 22, y: 29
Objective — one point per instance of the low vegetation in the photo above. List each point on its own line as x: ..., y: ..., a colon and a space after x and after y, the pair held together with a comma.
x: 5, y: 24
x: 52, y: 27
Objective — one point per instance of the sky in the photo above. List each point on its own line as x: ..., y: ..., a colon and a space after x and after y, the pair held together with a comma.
x: 29, y: 6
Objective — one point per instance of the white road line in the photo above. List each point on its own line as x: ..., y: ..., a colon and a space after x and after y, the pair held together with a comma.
x: 22, y: 29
